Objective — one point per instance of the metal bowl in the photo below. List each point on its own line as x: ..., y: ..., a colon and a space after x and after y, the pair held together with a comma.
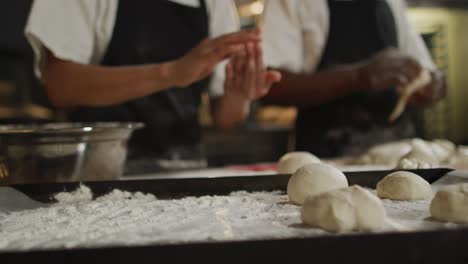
x: 63, y: 152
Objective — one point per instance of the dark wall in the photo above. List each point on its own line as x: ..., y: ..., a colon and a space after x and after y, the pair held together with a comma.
x: 13, y: 16
x: 16, y: 57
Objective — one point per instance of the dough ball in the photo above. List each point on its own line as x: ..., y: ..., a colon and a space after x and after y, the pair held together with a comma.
x: 450, y: 204
x: 313, y: 179
x: 385, y: 154
x: 347, y: 209
x: 460, y: 158
x: 291, y: 162
x: 404, y: 186
x: 420, y: 157
x: 413, y: 153
x: 443, y: 149
x: 411, y: 163
x: 446, y: 144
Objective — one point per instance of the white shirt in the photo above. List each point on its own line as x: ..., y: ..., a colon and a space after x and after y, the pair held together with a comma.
x: 295, y: 34
x: 80, y: 30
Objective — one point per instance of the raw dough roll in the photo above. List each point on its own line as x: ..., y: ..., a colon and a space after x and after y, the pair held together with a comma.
x: 420, y: 157
x: 291, y: 162
x: 347, y: 209
x: 450, y: 204
x: 314, y: 179
x: 404, y: 186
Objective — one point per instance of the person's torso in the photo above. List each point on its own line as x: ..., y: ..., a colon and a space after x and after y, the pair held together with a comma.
x: 348, y: 125
x: 145, y: 32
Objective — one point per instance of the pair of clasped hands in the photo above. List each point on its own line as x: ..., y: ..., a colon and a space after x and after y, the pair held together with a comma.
x: 246, y: 76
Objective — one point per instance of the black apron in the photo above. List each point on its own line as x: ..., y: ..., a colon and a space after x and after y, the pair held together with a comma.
x: 349, y: 125
x: 155, y: 31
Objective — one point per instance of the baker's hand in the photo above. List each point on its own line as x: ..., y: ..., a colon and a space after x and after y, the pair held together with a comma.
x: 389, y: 68
x: 201, y: 60
x: 432, y: 93
x: 246, y: 77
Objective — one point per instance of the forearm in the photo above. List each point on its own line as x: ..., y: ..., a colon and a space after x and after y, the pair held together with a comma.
x: 228, y: 111
x: 314, y: 89
x: 71, y: 84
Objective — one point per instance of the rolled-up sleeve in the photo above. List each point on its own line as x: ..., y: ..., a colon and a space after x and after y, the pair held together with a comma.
x: 294, y: 34
x: 223, y: 19
x: 68, y: 30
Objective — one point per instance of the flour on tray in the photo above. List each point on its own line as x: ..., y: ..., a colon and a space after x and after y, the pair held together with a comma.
x: 82, y: 194
x: 122, y: 218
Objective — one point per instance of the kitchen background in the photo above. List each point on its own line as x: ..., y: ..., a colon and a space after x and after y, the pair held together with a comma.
x: 266, y: 136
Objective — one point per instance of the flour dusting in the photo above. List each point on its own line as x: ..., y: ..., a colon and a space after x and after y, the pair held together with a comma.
x: 82, y: 194
x: 122, y: 218
x: 117, y: 194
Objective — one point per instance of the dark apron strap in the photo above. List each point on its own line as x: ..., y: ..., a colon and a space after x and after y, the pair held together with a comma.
x: 149, y: 31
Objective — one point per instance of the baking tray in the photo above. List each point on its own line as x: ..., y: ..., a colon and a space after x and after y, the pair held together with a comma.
x: 447, y: 246
x: 166, y: 188
x: 439, y: 246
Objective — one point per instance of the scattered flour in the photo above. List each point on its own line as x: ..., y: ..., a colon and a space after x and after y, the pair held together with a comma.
x: 82, y: 194
x: 119, y: 195
x: 123, y: 218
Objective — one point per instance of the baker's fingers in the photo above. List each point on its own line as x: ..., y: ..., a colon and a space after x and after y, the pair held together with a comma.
x: 234, y: 66
x: 239, y: 65
x: 421, y: 99
x: 219, y: 53
x: 250, y: 72
x: 229, y: 81
x: 384, y: 80
x: 270, y: 77
x: 240, y: 37
x: 259, y: 66
x: 226, y: 45
x: 427, y: 96
x: 411, y: 68
x: 205, y: 63
x: 401, y: 80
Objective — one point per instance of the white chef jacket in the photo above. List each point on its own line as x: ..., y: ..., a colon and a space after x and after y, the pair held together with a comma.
x: 295, y: 34
x: 81, y: 30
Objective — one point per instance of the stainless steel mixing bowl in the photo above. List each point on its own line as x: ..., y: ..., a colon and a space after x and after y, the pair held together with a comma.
x: 63, y: 152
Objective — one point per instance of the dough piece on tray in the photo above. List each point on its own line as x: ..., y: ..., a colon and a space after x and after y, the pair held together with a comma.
x: 347, y: 209
x: 450, y: 204
x: 385, y: 154
x: 411, y: 154
x: 82, y: 194
x: 404, y: 186
x: 459, y: 159
x: 291, y: 162
x: 420, y: 157
x: 426, y: 154
x: 443, y: 149
x: 313, y: 179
